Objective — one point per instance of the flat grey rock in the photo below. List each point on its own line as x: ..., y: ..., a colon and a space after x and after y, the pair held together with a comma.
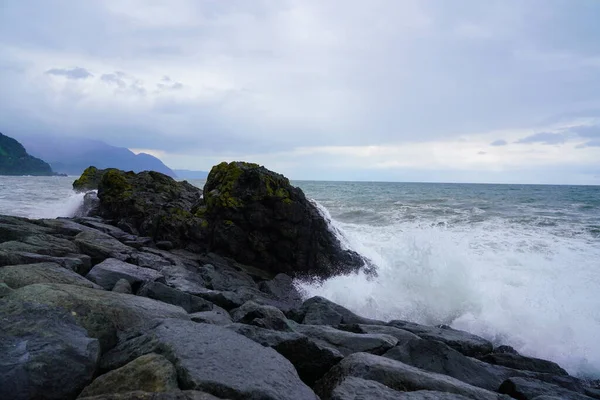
x: 360, y: 389
x: 166, y: 294
x: 17, y: 276
x: 397, y: 376
x: 45, y: 353
x: 216, y: 360
x: 108, y: 272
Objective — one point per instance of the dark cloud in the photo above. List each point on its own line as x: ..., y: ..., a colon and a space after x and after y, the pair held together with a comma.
x: 73, y: 73
x: 499, y: 142
x: 125, y: 82
x: 544, y: 138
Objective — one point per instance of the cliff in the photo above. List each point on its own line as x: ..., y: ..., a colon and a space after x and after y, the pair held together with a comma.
x: 14, y: 160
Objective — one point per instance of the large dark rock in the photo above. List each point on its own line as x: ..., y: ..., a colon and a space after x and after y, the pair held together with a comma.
x: 217, y: 316
x: 166, y: 294
x: 44, y: 353
x: 397, y: 376
x: 529, y: 389
x: 17, y: 276
x: 348, y: 342
x: 216, y: 360
x: 465, y: 342
x: 148, y: 373
x: 320, y: 311
x: 111, y: 270
x: 139, y: 395
x: 352, y: 388
x: 517, y: 361
x: 263, y: 316
x: 104, y: 314
x: 311, y: 358
x: 257, y: 217
x: 79, y: 263
x: 100, y: 246
x: 154, y: 204
x: 89, y: 179
x: 434, y: 356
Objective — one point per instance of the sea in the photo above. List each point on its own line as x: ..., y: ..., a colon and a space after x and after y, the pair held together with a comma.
x: 516, y: 264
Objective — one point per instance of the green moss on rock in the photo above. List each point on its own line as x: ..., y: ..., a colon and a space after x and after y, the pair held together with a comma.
x: 89, y: 179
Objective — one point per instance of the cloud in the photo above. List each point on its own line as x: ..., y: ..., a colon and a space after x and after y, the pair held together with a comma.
x: 73, y: 73
x: 256, y: 78
x: 544, y: 138
x: 587, y: 131
x: 591, y: 143
x: 499, y: 142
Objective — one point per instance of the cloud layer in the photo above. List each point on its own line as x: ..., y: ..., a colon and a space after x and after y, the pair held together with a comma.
x: 348, y: 87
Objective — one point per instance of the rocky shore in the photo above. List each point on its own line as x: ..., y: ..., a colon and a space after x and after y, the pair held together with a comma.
x: 159, y: 290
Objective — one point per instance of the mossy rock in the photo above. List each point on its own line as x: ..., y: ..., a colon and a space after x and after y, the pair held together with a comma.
x: 89, y: 179
x: 257, y: 217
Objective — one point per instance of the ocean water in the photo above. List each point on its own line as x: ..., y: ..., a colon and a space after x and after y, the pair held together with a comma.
x: 517, y: 264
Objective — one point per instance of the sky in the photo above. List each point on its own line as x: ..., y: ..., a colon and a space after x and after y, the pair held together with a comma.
x: 386, y: 90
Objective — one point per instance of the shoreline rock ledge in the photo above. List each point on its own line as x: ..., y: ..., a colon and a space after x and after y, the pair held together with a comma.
x: 133, y: 303
x: 247, y: 212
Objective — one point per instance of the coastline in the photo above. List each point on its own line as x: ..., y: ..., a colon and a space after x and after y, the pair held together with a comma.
x: 123, y: 295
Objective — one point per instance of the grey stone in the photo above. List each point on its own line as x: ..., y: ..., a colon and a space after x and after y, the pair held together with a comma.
x: 400, y: 334
x: 149, y: 260
x: 216, y: 360
x: 311, y: 358
x: 139, y: 395
x: 348, y: 342
x: 282, y: 288
x: 109, y: 271
x: 79, y: 263
x: 352, y: 388
x: 148, y: 373
x: 217, y: 316
x: 165, y: 245
x: 17, y: 276
x: 122, y: 286
x: 529, y: 388
x: 320, y: 311
x: 100, y: 246
x: 517, y: 361
x: 45, y: 354
x: 396, y: 376
x: 161, y: 292
x: 104, y: 314
x: 466, y: 343
x: 263, y: 316
x: 5, y: 290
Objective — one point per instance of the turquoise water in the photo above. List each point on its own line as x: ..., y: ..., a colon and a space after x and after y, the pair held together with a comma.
x: 518, y: 264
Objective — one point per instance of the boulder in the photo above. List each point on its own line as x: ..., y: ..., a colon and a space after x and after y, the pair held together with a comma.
x: 467, y: 343
x: 400, y: 334
x: 320, y: 311
x: 263, y: 316
x: 348, y: 342
x: 517, y: 361
x: 45, y: 354
x: 100, y: 246
x: 110, y: 271
x: 161, y: 292
x: 224, y: 277
x: 258, y: 218
x: 122, y: 286
x: 283, y: 289
x: 172, y: 395
x: 45, y: 244
x: 216, y: 360
x: 397, y: 376
x: 352, y: 388
x: 148, y: 373
x: 17, y: 276
x: 153, y: 204
x: 88, y: 180
x: 529, y: 388
x: 217, y: 316
x: 79, y: 263
x: 438, y: 357
x: 311, y: 358
x: 18, y: 228
x: 104, y: 314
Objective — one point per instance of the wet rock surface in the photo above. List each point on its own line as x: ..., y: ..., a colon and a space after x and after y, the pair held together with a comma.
x: 104, y: 303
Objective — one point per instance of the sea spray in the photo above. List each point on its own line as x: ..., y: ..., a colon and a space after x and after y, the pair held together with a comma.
x: 524, y: 286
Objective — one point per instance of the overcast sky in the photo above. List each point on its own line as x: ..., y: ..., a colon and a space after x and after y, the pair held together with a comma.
x: 423, y: 90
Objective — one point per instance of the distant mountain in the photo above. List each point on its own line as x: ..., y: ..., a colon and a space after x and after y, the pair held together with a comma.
x: 14, y: 160
x: 72, y: 155
x: 187, y: 174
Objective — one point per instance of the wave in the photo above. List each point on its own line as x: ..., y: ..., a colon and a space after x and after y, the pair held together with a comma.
x: 512, y: 284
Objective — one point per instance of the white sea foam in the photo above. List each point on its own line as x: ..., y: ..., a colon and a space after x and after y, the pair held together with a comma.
x: 527, y: 288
